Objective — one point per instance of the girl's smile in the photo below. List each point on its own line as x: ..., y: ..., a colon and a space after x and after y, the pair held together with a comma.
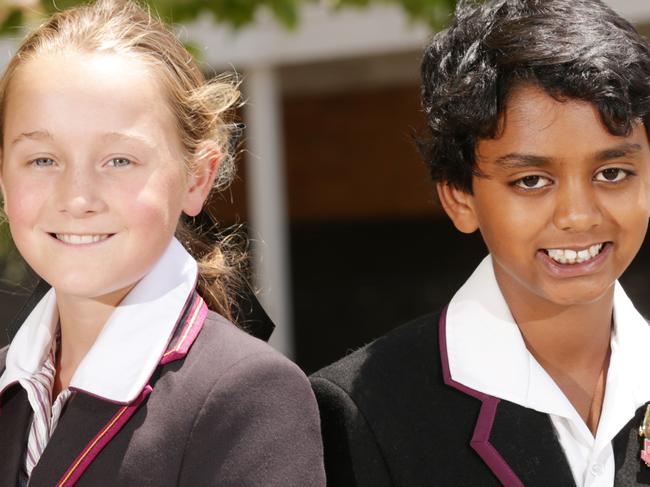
x: 81, y: 239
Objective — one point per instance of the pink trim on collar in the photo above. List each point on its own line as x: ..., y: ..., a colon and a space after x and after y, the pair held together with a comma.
x: 192, y: 327
x: 97, y: 444
x: 480, y: 441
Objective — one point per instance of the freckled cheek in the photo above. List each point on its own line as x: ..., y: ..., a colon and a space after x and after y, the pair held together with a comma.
x: 156, y: 205
x: 25, y: 206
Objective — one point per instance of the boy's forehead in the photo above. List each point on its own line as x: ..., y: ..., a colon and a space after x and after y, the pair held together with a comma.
x: 536, y: 123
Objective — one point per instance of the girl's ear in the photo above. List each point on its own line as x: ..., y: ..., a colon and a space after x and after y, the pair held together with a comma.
x: 459, y: 206
x: 200, y: 181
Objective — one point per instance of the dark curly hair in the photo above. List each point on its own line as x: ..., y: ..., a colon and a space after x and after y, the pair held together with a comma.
x: 572, y: 49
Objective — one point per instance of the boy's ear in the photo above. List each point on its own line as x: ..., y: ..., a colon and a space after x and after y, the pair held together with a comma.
x: 459, y: 206
x: 201, y: 179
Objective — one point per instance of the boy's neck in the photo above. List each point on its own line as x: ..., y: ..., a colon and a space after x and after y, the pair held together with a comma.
x: 572, y: 343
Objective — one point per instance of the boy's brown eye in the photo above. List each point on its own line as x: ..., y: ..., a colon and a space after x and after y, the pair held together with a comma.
x: 530, y: 181
x: 611, y: 174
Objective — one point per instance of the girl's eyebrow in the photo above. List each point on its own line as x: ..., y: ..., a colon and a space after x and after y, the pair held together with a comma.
x: 128, y: 137
x: 36, y: 135
x: 45, y: 135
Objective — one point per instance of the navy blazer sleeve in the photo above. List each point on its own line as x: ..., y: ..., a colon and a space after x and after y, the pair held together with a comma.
x: 264, y: 406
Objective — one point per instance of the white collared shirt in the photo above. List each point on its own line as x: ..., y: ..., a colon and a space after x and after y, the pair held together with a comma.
x: 131, y: 343
x: 478, y: 315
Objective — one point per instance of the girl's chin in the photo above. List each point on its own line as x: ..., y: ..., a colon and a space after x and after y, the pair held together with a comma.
x: 95, y: 292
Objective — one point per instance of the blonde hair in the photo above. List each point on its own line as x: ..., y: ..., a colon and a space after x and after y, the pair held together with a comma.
x: 203, y: 110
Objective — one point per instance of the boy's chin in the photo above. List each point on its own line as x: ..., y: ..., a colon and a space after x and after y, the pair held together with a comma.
x: 578, y: 293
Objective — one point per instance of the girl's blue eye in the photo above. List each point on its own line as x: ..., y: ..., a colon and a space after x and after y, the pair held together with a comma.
x: 119, y: 162
x: 612, y: 175
x: 532, y: 182
x: 43, y: 162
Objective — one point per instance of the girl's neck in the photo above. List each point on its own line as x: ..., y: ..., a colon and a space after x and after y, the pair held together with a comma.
x: 81, y: 320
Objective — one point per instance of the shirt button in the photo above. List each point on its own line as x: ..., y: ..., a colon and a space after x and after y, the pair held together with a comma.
x: 596, y: 469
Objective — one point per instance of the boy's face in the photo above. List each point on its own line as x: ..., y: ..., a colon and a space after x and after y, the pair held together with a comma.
x: 564, y: 204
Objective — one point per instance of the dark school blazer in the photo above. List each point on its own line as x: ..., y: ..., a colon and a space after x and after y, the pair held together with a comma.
x: 392, y: 416
x: 222, y: 408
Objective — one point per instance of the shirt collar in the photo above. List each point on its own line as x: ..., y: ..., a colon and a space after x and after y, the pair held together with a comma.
x: 487, y: 353
x: 129, y: 347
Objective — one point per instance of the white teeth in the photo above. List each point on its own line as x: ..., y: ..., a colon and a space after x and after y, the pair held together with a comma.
x: 80, y: 239
x: 584, y: 255
x: 568, y: 256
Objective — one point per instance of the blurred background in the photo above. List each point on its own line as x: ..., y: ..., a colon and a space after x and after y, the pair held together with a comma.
x: 348, y: 240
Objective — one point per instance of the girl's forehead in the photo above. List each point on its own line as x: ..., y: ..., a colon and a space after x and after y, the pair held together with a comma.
x: 84, y: 91
x: 81, y: 68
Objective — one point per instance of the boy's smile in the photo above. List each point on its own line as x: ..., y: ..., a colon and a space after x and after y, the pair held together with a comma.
x: 562, y: 204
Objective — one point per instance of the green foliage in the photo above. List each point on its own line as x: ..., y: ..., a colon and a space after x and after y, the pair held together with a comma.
x: 12, y: 22
x: 239, y: 13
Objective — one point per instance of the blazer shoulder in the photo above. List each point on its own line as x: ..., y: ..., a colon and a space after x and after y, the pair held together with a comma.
x: 399, y: 354
x: 222, y: 346
x: 257, y: 412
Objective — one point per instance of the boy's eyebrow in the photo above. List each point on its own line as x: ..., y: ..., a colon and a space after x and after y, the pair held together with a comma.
x: 623, y: 150
x: 522, y: 161
x: 37, y: 134
x: 519, y: 161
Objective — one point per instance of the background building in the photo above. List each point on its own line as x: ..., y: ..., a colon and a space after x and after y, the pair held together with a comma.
x: 348, y: 238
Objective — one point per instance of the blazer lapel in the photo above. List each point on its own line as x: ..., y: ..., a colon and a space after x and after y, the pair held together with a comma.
x: 526, y: 440
x: 87, y: 426
x: 15, y: 414
x: 89, y: 423
x: 517, y: 444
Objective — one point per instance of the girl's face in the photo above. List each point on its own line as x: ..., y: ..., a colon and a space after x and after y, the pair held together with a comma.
x: 92, y: 171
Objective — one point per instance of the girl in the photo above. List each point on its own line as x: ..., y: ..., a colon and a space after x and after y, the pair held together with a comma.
x: 121, y: 375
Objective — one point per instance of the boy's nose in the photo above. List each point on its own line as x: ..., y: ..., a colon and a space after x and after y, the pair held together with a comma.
x: 577, y: 209
x: 79, y: 195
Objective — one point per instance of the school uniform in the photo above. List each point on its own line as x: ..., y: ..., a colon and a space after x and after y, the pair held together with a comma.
x: 170, y: 394
x: 456, y: 399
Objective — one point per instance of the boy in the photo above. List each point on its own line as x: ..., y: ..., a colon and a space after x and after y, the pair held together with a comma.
x: 538, y: 114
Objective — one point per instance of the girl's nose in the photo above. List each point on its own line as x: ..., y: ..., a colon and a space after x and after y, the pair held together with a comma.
x: 79, y: 194
x: 577, y: 208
